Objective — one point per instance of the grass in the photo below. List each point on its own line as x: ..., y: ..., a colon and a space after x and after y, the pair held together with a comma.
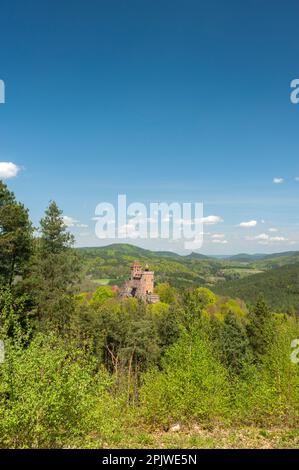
x: 197, y: 437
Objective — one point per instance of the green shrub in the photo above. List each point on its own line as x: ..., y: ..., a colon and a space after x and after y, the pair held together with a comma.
x: 192, y: 385
x: 268, y: 394
x: 52, y: 395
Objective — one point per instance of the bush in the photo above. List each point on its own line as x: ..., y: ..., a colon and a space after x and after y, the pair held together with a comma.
x: 192, y: 385
x: 268, y: 394
x: 51, y: 396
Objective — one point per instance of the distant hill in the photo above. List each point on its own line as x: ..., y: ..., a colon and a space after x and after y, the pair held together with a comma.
x: 279, y: 287
x: 117, y: 249
x: 194, y: 255
x: 234, y: 276
x: 245, y: 258
x: 282, y: 254
x: 112, y: 264
x: 276, y: 260
x: 132, y: 250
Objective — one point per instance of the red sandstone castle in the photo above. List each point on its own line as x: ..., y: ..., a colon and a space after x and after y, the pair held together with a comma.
x: 141, y: 284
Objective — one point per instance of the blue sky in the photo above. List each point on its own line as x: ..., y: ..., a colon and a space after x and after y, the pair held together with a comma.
x: 160, y: 100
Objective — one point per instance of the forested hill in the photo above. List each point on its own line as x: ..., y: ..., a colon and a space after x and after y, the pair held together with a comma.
x: 122, y: 250
x: 279, y: 287
x: 275, y: 276
x: 284, y: 257
x: 125, y: 249
x: 111, y: 264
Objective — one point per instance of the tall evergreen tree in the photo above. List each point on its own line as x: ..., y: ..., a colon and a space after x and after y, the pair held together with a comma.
x: 15, y: 237
x: 55, y: 238
x: 260, y: 329
x: 57, y: 269
x: 234, y: 343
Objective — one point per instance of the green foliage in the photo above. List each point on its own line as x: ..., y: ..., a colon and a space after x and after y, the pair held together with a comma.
x: 204, y: 297
x: 170, y: 268
x: 279, y: 287
x: 260, y: 329
x: 166, y: 293
x: 14, y: 325
x: 100, y: 296
x: 268, y: 394
x: 232, y: 306
x: 192, y: 384
x: 55, y: 237
x: 58, y: 396
x: 130, y: 336
x: 54, y: 271
x: 231, y: 342
x: 237, y: 277
x: 195, y: 303
x: 15, y: 236
x: 82, y: 369
x: 159, y: 308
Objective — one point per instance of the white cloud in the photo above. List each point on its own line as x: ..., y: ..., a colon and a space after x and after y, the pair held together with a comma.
x: 260, y: 237
x: 8, y: 170
x: 278, y: 180
x: 273, y: 229
x: 69, y: 221
x: 218, y: 235
x: 264, y: 238
x: 217, y: 240
x: 211, y: 220
x: 278, y: 239
x: 251, y: 223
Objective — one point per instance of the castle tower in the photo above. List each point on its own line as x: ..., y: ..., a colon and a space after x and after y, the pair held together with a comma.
x: 147, y: 283
x: 136, y: 270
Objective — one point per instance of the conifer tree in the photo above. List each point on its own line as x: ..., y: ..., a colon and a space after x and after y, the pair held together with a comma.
x: 15, y: 237
x: 54, y: 235
x: 57, y: 268
x: 260, y: 329
x: 235, y: 344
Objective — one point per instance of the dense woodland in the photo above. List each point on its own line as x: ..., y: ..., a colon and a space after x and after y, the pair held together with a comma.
x: 84, y: 368
x: 275, y: 277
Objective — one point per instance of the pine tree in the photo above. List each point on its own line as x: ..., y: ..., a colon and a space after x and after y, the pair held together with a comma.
x: 55, y: 238
x: 234, y: 343
x: 15, y: 237
x: 260, y: 329
x: 56, y: 270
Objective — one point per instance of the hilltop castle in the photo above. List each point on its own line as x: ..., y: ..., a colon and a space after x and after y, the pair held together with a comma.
x: 140, y: 284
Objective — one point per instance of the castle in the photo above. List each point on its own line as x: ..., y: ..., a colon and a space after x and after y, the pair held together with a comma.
x: 140, y: 284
